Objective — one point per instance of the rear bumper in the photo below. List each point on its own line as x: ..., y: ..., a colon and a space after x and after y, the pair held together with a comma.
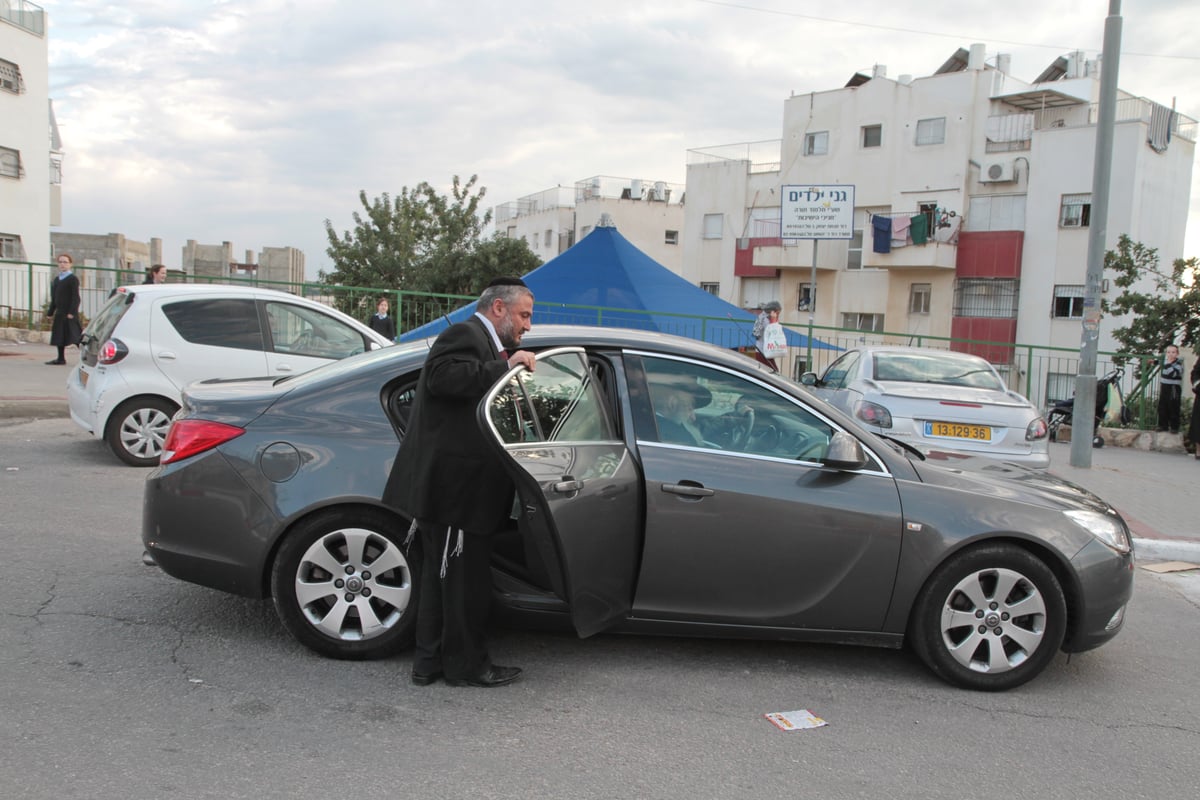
x: 209, y: 529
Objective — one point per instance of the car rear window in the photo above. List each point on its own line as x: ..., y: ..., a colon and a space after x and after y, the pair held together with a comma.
x: 948, y: 371
x: 217, y: 322
x: 105, y: 322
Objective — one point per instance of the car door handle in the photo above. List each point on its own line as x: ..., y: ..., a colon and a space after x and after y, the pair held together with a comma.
x: 568, y: 485
x: 687, y: 490
x: 167, y: 355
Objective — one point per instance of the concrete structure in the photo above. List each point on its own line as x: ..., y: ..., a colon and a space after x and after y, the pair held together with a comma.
x: 114, y: 258
x: 213, y: 261
x: 30, y: 150
x: 999, y: 169
x: 648, y: 213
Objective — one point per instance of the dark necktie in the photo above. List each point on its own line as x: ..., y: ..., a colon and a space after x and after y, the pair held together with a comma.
x: 504, y: 355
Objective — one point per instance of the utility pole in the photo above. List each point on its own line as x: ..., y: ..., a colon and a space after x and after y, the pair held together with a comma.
x: 1083, y: 417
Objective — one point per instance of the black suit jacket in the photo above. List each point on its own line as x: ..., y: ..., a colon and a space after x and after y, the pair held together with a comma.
x: 445, y: 471
x: 384, y: 327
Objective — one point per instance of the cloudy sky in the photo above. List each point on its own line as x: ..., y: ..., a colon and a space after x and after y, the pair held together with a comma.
x: 253, y: 121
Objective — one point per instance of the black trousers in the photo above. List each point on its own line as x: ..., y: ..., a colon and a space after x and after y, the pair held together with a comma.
x: 1170, y: 397
x: 452, y: 612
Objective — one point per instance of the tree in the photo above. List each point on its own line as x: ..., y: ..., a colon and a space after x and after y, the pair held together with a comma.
x: 1170, y: 314
x: 424, y: 241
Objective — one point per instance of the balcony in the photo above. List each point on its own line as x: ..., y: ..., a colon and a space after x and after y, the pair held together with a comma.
x: 939, y: 251
x: 25, y: 15
x: 762, y: 156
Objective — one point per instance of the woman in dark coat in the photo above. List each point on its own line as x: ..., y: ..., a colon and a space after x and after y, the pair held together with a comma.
x: 1194, y: 428
x: 64, y: 308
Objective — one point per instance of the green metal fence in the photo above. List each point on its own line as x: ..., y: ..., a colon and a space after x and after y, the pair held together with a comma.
x: 1043, y: 374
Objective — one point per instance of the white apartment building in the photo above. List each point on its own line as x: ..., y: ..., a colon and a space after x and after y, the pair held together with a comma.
x: 648, y: 213
x: 30, y: 151
x: 998, y: 173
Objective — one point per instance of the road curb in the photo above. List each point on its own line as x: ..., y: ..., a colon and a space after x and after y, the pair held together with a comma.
x: 1166, y: 550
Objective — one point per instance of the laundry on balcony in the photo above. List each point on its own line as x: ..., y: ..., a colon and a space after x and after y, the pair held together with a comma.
x: 881, y: 233
x: 900, y: 226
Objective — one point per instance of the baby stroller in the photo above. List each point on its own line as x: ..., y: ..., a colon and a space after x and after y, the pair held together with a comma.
x: 1110, y: 407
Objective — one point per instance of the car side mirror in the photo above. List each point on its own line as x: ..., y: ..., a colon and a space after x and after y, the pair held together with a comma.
x: 845, y: 452
x: 808, y: 378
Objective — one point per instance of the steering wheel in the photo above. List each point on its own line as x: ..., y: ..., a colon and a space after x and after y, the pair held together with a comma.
x: 740, y: 437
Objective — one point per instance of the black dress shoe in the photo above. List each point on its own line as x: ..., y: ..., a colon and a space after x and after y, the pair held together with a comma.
x: 493, y: 676
x: 425, y: 678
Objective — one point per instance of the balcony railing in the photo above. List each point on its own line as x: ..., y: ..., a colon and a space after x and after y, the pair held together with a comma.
x: 29, y: 16
x: 1009, y: 132
x: 763, y: 156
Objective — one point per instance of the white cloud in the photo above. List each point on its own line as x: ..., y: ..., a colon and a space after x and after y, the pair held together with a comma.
x: 254, y: 121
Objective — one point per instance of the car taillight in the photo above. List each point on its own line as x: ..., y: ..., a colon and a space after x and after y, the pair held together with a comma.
x: 112, y: 351
x: 873, y: 414
x: 187, y: 437
x: 1036, y: 430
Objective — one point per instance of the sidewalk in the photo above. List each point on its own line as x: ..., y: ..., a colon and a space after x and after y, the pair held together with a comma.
x: 1151, y: 489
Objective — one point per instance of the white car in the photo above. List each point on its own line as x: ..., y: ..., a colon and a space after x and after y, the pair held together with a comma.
x: 150, y: 341
x: 935, y: 400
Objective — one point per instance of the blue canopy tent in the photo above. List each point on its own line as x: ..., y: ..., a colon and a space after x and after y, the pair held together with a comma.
x: 605, y: 281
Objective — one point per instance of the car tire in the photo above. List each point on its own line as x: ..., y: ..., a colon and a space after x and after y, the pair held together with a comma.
x: 345, y: 586
x: 137, y: 429
x: 989, y: 618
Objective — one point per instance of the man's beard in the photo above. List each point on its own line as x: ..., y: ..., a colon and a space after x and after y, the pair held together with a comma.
x: 504, y: 332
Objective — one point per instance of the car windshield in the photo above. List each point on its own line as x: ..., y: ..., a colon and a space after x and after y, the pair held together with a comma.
x: 931, y: 368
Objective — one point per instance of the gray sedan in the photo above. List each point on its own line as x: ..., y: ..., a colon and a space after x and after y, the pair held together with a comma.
x: 665, y: 486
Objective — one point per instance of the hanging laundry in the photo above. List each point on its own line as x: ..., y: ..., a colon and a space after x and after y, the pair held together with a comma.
x: 881, y: 234
x: 947, y: 229
x: 920, y: 229
x: 900, y: 227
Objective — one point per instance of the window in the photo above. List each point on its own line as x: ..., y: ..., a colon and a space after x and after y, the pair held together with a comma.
x: 872, y: 135
x: 511, y: 232
x: 305, y: 332
x: 1068, y: 301
x: 714, y: 226
x: 807, y: 301
x: 918, y: 298
x: 10, y: 162
x: 931, y: 131
x: 854, y: 258
x: 10, y: 246
x: 584, y: 231
x: 10, y: 77
x: 863, y: 322
x: 558, y: 403
x: 763, y: 223
x: 998, y: 212
x: 549, y: 236
x: 841, y: 371
x: 1076, y: 211
x: 711, y: 288
x: 994, y: 298
x: 694, y: 406
x: 672, y: 237
x: 217, y: 323
x: 816, y: 144
x: 756, y: 292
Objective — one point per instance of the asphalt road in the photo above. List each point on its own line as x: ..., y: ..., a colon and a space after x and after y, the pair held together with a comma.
x: 119, y: 682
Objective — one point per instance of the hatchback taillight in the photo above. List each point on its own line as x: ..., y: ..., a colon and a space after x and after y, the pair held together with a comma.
x: 112, y: 351
x: 187, y: 437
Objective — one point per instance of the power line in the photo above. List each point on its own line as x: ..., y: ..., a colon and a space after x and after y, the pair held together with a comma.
x: 922, y: 32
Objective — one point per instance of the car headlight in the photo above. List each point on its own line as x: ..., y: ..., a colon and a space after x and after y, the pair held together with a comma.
x: 1105, y: 527
x: 873, y: 414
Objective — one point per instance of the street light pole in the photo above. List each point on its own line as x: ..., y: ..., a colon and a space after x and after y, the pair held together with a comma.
x: 1083, y: 416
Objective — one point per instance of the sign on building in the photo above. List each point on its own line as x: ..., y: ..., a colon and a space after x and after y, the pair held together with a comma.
x: 817, y: 212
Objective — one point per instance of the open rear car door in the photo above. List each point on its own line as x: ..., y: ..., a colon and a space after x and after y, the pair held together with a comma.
x: 578, y: 490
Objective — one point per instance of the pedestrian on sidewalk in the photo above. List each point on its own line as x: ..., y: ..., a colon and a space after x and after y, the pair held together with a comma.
x: 64, y: 308
x: 158, y: 274
x: 1170, y: 390
x: 381, y: 323
x: 1194, y: 428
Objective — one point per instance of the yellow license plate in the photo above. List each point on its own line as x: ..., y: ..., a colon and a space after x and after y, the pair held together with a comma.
x: 957, y: 430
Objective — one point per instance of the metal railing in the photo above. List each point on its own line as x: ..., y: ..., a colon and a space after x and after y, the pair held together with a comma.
x: 1041, y: 373
x: 29, y: 16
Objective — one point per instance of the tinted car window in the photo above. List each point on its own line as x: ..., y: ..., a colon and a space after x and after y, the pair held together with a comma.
x: 217, y: 322
x: 306, y: 332
x: 927, y: 368
x: 560, y: 402
x: 703, y: 407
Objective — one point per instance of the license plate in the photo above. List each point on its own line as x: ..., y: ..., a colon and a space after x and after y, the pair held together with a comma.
x: 957, y: 430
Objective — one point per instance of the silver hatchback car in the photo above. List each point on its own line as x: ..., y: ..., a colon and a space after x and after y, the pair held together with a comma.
x: 935, y: 400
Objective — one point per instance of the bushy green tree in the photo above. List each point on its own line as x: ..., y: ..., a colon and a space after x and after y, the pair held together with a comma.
x: 1170, y: 314
x: 424, y: 241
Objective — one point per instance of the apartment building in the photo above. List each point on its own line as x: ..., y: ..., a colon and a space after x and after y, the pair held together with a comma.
x: 971, y: 211
x: 648, y: 213
x: 30, y: 150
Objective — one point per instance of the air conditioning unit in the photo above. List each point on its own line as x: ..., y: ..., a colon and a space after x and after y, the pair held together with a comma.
x: 999, y: 171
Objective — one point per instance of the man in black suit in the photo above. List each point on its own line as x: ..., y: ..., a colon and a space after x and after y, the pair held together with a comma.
x: 448, y: 480
x: 676, y: 398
